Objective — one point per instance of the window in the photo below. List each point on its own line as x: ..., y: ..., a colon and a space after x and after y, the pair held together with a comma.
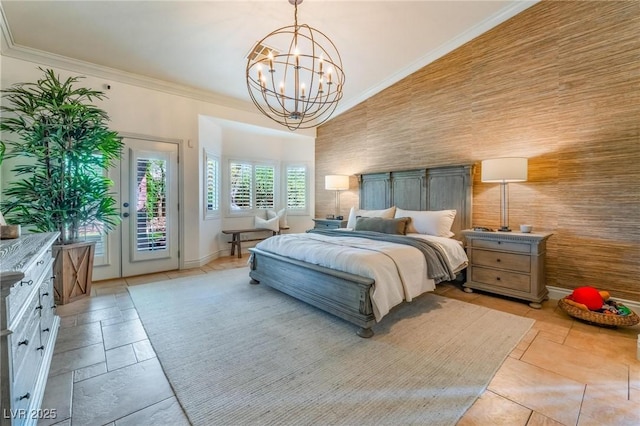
x: 296, y: 188
x: 251, y: 187
x: 257, y: 186
x: 265, y: 184
x: 211, y: 185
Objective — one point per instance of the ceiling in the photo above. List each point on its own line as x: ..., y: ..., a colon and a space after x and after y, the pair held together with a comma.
x: 199, y: 48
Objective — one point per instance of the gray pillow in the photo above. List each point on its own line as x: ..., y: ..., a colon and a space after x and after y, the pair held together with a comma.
x: 386, y: 226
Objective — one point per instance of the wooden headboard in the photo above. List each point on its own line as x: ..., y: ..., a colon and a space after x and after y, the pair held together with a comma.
x: 438, y: 188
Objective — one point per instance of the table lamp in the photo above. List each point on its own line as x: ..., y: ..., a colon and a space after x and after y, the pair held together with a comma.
x: 503, y: 171
x: 336, y: 183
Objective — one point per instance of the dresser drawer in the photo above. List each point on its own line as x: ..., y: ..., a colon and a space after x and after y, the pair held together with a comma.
x: 48, y: 311
x: 25, y: 381
x: 24, y: 357
x: 495, y: 259
x: 32, y: 277
x: 501, y: 245
x: 504, y: 279
x: 22, y: 337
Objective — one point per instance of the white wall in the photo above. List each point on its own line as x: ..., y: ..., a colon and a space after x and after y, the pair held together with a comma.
x: 143, y: 111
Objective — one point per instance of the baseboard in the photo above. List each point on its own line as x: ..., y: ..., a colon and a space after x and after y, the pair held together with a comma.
x: 189, y: 264
x: 557, y: 293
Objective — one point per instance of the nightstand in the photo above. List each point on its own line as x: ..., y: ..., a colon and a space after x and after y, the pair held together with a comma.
x: 507, y: 263
x: 329, y: 223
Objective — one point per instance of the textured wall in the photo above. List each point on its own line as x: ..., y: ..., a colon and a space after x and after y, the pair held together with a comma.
x: 559, y: 84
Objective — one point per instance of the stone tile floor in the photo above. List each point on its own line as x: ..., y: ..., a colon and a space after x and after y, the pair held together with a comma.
x: 564, y: 372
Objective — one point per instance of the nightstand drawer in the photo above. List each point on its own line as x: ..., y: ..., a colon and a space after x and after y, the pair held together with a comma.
x: 495, y: 259
x: 496, y: 278
x: 501, y: 245
x: 327, y: 225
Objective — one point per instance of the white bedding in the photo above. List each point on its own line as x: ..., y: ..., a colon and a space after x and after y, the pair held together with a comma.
x: 399, y: 271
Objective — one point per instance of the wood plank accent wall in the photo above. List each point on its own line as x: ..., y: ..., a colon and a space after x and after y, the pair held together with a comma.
x: 560, y: 84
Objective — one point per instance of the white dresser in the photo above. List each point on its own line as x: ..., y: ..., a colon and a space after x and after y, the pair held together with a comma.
x: 28, y: 326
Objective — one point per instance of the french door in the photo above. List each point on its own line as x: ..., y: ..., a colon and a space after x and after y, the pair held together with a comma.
x: 146, y: 186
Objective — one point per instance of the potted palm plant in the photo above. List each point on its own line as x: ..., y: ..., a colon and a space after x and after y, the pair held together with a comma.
x: 60, y: 148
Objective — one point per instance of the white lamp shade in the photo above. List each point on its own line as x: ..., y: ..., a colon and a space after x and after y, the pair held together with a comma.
x: 336, y: 182
x: 512, y: 169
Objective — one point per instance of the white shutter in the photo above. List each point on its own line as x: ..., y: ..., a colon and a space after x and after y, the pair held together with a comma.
x: 265, y: 185
x: 296, y: 192
x: 241, y: 183
x: 212, y: 185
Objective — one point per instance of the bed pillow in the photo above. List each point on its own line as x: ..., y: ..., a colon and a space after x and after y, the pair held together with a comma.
x: 271, y: 224
x: 281, y: 215
x: 430, y: 222
x: 354, y: 214
x: 379, y: 224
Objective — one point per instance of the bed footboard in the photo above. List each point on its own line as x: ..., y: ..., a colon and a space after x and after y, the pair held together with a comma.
x: 339, y: 293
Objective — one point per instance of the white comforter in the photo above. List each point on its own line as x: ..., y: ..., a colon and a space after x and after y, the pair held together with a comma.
x: 399, y: 271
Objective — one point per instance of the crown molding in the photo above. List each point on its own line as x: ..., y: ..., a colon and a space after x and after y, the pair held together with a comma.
x: 502, y: 15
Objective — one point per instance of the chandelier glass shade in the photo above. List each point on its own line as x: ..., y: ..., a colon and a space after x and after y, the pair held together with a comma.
x: 295, y: 76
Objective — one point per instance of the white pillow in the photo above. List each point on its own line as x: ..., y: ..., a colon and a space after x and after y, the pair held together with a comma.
x: 353, y: 214
x: 272, y: 224
x: 281, y: 215
x: 430, y: 222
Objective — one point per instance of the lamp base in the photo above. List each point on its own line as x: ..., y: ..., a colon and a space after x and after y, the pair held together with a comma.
x: 504, y: 229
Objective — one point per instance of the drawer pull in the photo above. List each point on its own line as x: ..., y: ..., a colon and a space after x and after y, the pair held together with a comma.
x: 24, y: 342
x: 45, y: 329
x: 40, y: 262
x: 45, y: 294
x: 498, y: 260
x: 52, y: 277
x: 497, y: 278
x: 26, y: 282
x: 39, y: 307
x: 40, y: 348
x: 25, y: 396
x: 54, y: 306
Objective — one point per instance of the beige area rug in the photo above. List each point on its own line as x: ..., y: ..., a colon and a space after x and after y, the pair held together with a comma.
x: 242, y: 354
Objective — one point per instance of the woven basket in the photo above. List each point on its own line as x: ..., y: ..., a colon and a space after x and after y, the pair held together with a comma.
x: 597, y: 317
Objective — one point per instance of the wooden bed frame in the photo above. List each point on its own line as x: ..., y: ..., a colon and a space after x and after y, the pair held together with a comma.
x: 347, y: 295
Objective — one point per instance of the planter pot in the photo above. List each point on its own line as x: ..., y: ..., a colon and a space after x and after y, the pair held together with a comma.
x: 73, y: 270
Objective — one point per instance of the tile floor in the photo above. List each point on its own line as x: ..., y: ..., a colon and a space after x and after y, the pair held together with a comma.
x: 564, y: 372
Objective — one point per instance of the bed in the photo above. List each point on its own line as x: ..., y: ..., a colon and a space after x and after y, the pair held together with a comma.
x: 349, y: 293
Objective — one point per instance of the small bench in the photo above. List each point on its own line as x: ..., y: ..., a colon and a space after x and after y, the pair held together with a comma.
x: 236, y: 239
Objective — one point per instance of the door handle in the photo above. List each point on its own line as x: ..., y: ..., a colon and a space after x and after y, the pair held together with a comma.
x: 125, y: 214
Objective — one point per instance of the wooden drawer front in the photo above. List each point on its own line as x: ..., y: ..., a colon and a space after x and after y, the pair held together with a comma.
x: 32, y: 277
x: 496, y: 259
x: 25, y: 380
x: 497, y: 278
x: 502, y: 246
x: 48, y: 311
x: 22, y: 337
x: 25, y: 358
x: 327, y: 225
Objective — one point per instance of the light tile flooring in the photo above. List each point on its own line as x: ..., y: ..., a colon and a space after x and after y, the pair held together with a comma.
x: 564, y: 372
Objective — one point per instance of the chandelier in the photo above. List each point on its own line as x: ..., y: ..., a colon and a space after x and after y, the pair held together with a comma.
x: 295, y: 76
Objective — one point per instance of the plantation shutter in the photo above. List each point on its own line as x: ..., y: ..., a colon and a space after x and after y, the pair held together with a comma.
x: 265, y: 184
x: 296, y: 190
x: 212, y: 185
x: 241, y: 183
x: 151, y: 228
